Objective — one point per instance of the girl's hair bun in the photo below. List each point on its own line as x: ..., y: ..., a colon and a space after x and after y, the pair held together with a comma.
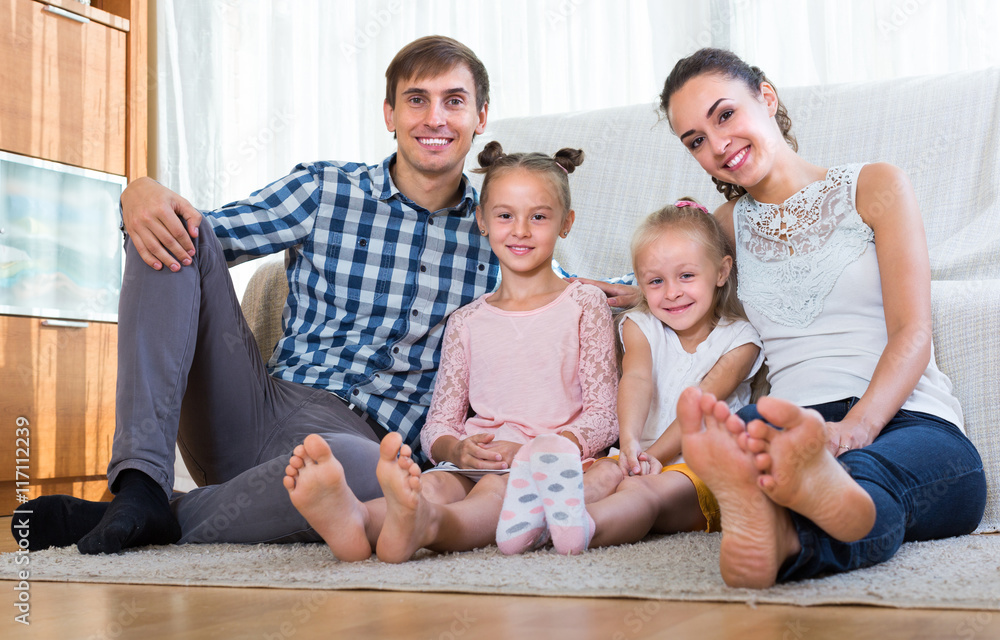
x: 490, y: 154
x: 569, y: 159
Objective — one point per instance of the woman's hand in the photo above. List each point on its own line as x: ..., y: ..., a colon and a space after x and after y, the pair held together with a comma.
x: 628, y: 458
x: 846, y: 435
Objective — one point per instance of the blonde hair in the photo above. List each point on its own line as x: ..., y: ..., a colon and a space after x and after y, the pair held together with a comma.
x: 692, y: 219
x: 494, y: 163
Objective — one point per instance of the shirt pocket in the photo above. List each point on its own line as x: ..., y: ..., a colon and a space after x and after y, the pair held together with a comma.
x: 360, y: 266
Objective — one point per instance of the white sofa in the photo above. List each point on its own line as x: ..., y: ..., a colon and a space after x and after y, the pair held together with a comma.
x: 942, y: 130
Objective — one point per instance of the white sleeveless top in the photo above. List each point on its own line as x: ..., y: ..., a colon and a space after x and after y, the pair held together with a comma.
x: 674, y: 369
x: 816, y: 298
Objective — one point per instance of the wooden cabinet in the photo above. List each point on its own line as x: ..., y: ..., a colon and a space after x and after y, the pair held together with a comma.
x: 73, y: 89
x: 64, y: 94
x: 58, y: 387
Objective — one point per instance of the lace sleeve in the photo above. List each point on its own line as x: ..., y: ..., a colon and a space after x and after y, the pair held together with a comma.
x: 450, y: 401
x: 597, y: 426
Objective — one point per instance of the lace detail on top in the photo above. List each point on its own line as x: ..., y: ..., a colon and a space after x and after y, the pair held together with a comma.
x: 450, y: 400
x: 596, y: 424
x: 786, y: 274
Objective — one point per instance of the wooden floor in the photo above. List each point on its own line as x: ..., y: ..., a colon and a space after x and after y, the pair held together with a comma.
x: 63, y: 611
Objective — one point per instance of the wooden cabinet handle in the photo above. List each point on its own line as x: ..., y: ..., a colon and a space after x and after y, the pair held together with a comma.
x: 69, y: 324
x: 65, y: 14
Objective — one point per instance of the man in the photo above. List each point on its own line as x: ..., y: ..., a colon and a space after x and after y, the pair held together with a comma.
x: 378, y: 256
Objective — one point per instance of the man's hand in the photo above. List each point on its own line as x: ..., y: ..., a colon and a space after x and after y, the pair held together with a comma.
x: 155, y: 218
x: 619, y: 295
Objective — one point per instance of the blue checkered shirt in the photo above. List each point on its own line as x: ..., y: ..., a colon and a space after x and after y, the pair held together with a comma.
x: 372, y: 279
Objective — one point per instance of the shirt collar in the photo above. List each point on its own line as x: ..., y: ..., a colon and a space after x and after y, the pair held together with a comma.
x: 385, y: 188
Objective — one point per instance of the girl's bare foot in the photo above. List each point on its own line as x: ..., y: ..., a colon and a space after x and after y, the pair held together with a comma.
x: 757, y: 535
x: 798, y: 471
x: 410, y: 520
x: 316, y: 484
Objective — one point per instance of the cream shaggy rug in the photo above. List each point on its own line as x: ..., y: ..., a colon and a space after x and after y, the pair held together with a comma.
x: 959, y: 573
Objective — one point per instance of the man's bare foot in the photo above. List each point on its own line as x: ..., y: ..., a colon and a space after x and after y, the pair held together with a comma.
x: 316, y: 484
x: 410, y: 521
x: 757, y: 535
x: 798, y: 471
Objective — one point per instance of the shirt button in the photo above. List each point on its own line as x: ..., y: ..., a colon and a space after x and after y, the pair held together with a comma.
x: 482, y: 267
x: 395, y: 349
x: 355, y: 392
x: 414, y: 312
x: 423, y: 268
x: 430, y: 220
x: 363, y: 242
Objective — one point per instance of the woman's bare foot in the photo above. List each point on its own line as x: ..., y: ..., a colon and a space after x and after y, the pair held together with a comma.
x: 410, y: 519
x: 798, y: 471
x: 757, y: 535
x: 316, y: 484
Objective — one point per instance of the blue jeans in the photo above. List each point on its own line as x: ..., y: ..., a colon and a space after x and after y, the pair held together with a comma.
x: 925, y: 477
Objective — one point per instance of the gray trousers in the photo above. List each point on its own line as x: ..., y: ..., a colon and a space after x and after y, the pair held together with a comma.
x: 190, y: 372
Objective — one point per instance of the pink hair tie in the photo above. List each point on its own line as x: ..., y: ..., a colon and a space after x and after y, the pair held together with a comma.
x: 565, y: 170
x: 680, y: 204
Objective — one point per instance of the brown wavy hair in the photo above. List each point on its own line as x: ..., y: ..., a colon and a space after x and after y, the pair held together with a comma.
x: 727, y: 64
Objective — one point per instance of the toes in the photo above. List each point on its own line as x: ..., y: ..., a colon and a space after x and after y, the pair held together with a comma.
x: 763, y: 461
x: 291, y: 471
x: 389, y: 448
x: 780, y: 413
x: 289, y: 482
x: 735, y: 424
x: 316, y: 447
x: 296, y: 462
x: 760, y: 430
x: 756, y: 445
x: 689, y: 412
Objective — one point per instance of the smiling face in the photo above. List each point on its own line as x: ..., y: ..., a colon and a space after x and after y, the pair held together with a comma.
x: 434, y: 119
x: 679, y: 280
x: 729, y: 129
x: 523, y: 218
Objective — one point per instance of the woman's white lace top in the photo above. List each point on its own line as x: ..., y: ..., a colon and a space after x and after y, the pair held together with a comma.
x: 810, y: 283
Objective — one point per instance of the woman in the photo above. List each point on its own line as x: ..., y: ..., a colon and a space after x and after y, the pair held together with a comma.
x: 835, y: 276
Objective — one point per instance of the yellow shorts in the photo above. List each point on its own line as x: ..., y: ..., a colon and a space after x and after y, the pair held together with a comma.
x: 706, y: 499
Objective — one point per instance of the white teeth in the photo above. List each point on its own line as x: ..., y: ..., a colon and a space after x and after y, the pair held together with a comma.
x: 434, y: 141
x: 735, y: 161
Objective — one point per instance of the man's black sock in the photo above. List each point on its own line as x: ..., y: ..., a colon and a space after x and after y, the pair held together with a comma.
x: 139, y: 515
x: 55, y: 521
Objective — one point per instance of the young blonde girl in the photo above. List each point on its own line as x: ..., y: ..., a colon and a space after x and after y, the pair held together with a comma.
x: 687, y: 330
x: 534, y: 361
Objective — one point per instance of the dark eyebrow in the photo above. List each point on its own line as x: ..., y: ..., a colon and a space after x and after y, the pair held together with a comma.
x: 711, y: 110
x: 419, y: 91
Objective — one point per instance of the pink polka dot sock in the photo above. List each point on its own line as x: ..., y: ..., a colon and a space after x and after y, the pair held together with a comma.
x: 522, y: 519
x: 558, y: 473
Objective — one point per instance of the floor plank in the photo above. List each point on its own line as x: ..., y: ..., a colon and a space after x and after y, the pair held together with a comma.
x: 74, y: 610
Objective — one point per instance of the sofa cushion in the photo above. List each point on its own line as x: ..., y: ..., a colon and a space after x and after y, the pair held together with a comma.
x: 966, y: 315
